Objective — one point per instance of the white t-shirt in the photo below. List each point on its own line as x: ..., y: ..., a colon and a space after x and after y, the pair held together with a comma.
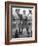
x: 24, y: 16
x: 29, y: 16
x: 15, y: 15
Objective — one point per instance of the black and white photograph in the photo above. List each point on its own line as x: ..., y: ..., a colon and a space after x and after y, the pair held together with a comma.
x: 21, y: 22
